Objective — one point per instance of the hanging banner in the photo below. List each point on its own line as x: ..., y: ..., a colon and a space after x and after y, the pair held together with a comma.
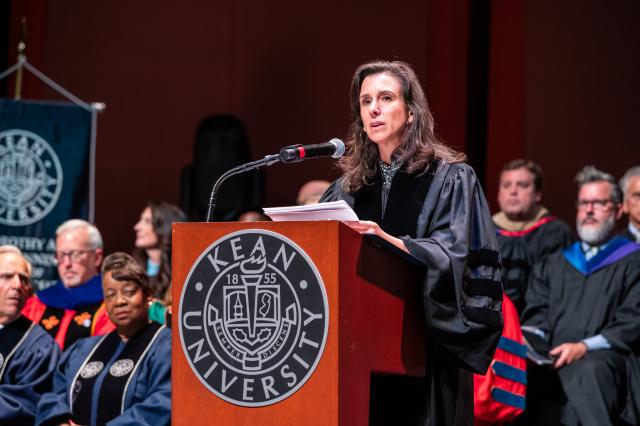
x: 45, y: 177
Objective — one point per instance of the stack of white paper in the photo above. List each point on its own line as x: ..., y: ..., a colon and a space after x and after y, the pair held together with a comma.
x: 334, y: 210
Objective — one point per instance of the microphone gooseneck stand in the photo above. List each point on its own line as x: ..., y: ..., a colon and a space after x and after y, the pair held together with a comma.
x: 266, y: 161
x: 288, y: 154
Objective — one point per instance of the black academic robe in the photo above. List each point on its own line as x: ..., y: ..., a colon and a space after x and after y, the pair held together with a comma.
x: 443, y: 218
x: 572, y: 300
x: 520, y: 250
x: 26, y: 375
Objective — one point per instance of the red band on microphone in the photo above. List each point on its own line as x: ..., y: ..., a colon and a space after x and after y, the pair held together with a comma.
x: 301, y: 151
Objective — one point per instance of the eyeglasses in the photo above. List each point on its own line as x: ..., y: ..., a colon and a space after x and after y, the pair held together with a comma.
x: 597, y: 204
x: 634, y: 198
x: 74, y: 255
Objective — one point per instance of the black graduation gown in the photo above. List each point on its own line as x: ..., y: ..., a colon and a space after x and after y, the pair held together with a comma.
x: 570, y: 305
x: 443, y: 218
x: 519, y: 251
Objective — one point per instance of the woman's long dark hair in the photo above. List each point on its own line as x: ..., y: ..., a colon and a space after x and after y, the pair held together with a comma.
x: 162, y: 216
x: 419, y: 142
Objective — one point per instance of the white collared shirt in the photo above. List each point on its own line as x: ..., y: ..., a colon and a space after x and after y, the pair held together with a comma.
x: 635, y: 232
x: 589, y: 251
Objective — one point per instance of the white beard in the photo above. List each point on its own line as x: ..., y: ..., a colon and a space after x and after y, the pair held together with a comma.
x: 596, y: 235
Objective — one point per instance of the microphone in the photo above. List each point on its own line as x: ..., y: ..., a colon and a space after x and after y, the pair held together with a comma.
x: 289, y: 154
x: 294, y: 153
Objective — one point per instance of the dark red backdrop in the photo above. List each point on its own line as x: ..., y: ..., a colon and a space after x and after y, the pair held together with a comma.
x: 562, y: 86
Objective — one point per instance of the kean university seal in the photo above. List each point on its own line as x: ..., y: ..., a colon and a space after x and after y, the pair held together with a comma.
x: 253, y: 318
x: 30, y: 178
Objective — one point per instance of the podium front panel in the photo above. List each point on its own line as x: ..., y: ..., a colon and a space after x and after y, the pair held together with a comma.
x: 375, y: 323
x: 209, y: 388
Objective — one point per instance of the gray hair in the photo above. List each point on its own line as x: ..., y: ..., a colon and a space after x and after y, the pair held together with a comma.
x: 8, y: 248
x: 590, y: 174
x: 95, y: 239
x: 624, y: 182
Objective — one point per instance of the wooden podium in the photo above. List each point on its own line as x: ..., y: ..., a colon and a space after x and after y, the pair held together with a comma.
x: 375, y: 326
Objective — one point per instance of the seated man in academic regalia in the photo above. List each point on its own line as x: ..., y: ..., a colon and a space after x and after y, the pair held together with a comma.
x: 584, y: 303
x: 73, y: 308
x: 527, y: 231
x: 28, y: 355
x: 630, y: 185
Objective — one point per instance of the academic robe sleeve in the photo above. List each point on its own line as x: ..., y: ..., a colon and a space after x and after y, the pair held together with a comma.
x: 27, y: 376
x: 151, y: 401
x: 462, y: 294
x: 536, y: 313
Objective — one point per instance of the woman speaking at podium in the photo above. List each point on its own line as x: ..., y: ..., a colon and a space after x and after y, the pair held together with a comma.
x: 409, y: 188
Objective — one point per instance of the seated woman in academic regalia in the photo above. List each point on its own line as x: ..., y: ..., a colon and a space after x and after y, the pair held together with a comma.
x: 123, y: 377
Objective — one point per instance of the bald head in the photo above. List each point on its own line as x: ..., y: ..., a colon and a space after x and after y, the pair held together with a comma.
x: 311, y: 192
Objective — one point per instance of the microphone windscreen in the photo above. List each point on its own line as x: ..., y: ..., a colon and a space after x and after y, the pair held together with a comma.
x: 339, y: 147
